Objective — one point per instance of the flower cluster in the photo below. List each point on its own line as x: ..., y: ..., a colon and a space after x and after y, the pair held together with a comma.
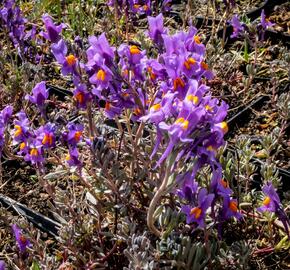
x: 140, y: 6
x: 33, y: 143
x: 185, y: 113
x: 239, y: 28
x: 12, y: 21
x: 22, y: 35
x: 218, y: 200
x: 167, y: 90
x: 24, y: 136
x: 189, y: 122
x: 69, y: 62
x: 158, y: 86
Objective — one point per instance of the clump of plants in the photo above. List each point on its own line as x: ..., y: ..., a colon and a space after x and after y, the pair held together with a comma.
x: 133, y: 159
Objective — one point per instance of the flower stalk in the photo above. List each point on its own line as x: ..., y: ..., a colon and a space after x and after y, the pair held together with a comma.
x: 155, y: 200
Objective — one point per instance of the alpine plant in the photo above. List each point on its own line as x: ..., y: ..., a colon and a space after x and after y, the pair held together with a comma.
x: 187, y: 119
x: 167, y: 91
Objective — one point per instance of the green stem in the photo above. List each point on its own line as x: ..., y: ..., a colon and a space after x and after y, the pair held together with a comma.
x: 155, y: 200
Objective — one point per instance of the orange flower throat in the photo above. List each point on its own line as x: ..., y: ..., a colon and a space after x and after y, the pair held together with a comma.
x: 71, y: 60
x: 196, y: 212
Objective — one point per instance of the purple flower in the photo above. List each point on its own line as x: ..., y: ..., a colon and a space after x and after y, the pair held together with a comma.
x: 53, y: 31
x: 166, y: 5
x: 4, y: 13
x: 39, y: 95
x: 156, y: 29
x: 13, y: 22
x: 69, y: 62
x: 280, y: 213
x: 155, y: 70
x: 75, y: 133
x: 79, y: 42
x: 131, y: 70
x: 2, y: 265
x: 193, y: 42
x: 219, y: 130
x: 21, y: 127
x: 69, y: 65
x: 182, y: 128
x: 112, y: 109
x: 195, y: 93
x: 197, y: 214
x: 31, y: 34
x: 175, y: 44
x: 192, y: 66
x: 59, y: 51
x: 204, y: 71
x: 218, y: 185
x: 46, y: 135
x: 82, y: 96
x: 34, y: 153
x: 230, y: 208
x: 5, y: 115
x: 21, y: 240
x: 100, y: 51
x: 271, y: 201
x: 174, y: 66
x: 72, y: 158
x: 237, y: 26
x: 140, y: 6
x: 132, y: 53
x: 160, y: 110
x: 23, y: 148
x: 265, y: 23
x: 188, y: 189
x: 102, y: 79
x: 219, y: 114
